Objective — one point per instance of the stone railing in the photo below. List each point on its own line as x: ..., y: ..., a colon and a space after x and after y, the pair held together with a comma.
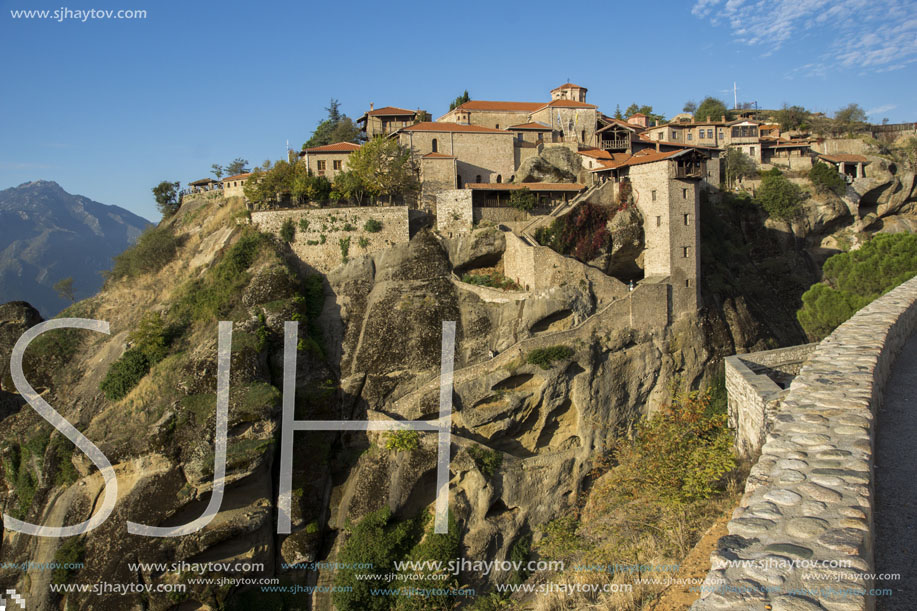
x: 808, y: 502
x: 755, y: 385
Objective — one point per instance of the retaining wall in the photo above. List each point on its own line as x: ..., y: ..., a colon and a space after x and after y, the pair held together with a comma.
x: 318, y: 240
x: 809, y: 499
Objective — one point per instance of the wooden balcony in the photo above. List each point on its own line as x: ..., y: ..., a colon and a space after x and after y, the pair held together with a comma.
x: 615, y: 145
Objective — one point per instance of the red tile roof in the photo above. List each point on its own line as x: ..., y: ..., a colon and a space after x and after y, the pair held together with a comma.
x: 389, y: 111
x: 533, y: 125
x: 337, y: 147
x: 569, y: 86
x: 621, y: 160
x: 844, y: 158
x: 505, y: 106
x: 439, y: 156
x: 443, y: 126
x: 533, y: 186
x: 618, y: 122
x: 569, y: 104
x: 595, y: 153
x: 238, y: 176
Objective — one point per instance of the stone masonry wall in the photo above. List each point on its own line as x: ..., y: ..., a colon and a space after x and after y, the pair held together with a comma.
x: 752, y: 395
x: 809, y: 499
x: 454, y: 211
x: 319, y: 244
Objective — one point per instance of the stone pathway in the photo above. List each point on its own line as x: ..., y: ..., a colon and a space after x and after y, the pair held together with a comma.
x: 895, y: 479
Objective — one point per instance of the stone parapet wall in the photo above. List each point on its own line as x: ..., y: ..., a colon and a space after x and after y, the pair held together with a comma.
x: 319, y: 244
x: 753, y: 394
x: 809, y: 499
x: 454, y: 211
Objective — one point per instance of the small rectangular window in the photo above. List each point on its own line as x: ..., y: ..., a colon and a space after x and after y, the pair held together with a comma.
x: 687, y: 219
x: 658, y: 221
x: 690, y: 137
x: 321, y: 166
x: 653, y: 193
x: 684, y: 193
x: 338, y: 164
x: 684, y: 252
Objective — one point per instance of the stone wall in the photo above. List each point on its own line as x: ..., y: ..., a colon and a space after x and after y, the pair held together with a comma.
x: 753, y: 395
x: 454, y: 211
x: 810, y: 495
x: 438, y: 174
x: 319, y: 244
x: 484, y: 154
x: 670, y: 209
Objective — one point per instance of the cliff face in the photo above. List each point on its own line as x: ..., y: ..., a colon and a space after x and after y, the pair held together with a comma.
x: 544, y: 382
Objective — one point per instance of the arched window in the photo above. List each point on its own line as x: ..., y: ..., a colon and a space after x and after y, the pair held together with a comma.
x: 499, y: 178
x: 435, y: 145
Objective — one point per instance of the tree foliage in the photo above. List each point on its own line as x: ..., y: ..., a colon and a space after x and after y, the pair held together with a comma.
x: 778, y: 196
x: 155, y: 248
x: 853, y: 279
x: 459, y: 100
x: 738, y: 166
x: 166, y: 195
x: 348, y: 186
x: 286, y: 181
x: 646, y: 110
x: 690, y: 106
x: 826, y: 179
x: 523, y: 199
x: 336, y: 127
x: 792, y: 118
x: 679, y: 455
x: 236, y: 166
x: 850, y: 118
x: 711, y: 109
x: 384, y: 168
x: 583, y: 233
x: 64, y: 288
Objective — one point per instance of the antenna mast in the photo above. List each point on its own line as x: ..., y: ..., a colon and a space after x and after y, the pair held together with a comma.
x: 735, y: 96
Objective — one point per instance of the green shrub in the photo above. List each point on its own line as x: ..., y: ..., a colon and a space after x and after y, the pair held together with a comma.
x: 155, y: 248
x: 679, y: 455
x: 71, y: 551
x: 363, y: 242
x: 493, y: 279
x: 432, y: 548
x: 402, y: 441
x: 487, y: 461
x: 124, y: 374
x: 545, y: 357
x: 853, y: 279
x: 523, y: 199
x: 372, y: 226
x: 288, y: 231
x: 344, y: 243
x: 304, y: 224
x: 379, y: 541
x: 582, y: 234
x: 219, y: 291
x: 779, y: 197
x: 349, y: 227
x: 826, y: 179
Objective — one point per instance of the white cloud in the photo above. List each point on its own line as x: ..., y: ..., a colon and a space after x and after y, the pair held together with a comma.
x: 881, y: 109
x: 872, y: 34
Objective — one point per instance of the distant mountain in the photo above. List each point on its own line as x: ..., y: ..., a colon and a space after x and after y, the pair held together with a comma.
x: 47, y: 234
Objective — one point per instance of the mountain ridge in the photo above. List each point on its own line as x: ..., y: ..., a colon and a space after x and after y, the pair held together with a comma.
x: 48, y: 234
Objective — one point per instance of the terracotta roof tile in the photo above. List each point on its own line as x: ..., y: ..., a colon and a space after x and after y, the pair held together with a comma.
x: 568, y: 104
x: 569, y: 86
x: 237, y: 176
x: 533, y: 186
x: 496, y: 105
x: 443, y: 126
x: 595, y: 153
x: 337, y: 147
x: 389, y: 111
x: 533, y: 125
x: 844, y: 158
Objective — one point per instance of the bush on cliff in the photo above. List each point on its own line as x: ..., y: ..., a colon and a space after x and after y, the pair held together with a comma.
x: 853, y: 279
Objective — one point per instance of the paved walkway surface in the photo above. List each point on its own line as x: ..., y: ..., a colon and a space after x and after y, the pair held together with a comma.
x: 896, y: 484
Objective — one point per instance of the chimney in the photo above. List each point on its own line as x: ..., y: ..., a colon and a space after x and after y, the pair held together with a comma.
x: 723, y: 118
x: 370, y: 106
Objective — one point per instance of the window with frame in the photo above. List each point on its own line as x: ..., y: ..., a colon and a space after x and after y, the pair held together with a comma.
x: 337, y: 164
x: 320, y: 165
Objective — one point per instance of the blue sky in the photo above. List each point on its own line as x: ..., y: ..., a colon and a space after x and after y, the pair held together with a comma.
x: 108, y: 108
